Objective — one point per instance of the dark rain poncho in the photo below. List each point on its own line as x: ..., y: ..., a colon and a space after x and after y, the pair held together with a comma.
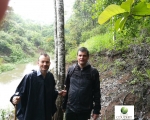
x: 38, y: 97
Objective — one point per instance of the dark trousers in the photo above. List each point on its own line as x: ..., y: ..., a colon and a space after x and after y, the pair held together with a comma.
x: 77, y: 116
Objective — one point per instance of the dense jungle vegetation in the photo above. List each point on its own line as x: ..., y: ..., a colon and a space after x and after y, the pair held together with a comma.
x: 21, y: 39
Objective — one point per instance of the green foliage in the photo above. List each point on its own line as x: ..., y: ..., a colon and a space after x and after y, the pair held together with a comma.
x: 95, y: 31
x: 1, y: 60
x: 17, y: 53
x: 140, y: 76
x: 2, y: 114
x: 122, y: 44
x: 34, y: 38
x: 100, y: 62
x: 81, y: 21
x: 134, y: 81
x: 22, y: 39
x: 97, y: 8
x: 6, y: 114
x: 100, y: 5
x: 49, y: 44
x: 94, y: 44
x: 72, y: 55
x: 80, y: 32
x: 133, y: 33
x: 78, y: 29
x: 4, y: 47
x: 148, y: 73
x: 128, y: 9
x: 6, y: 67
x: 119, y: 64
x: 99, y: 43
x: 109, y: 12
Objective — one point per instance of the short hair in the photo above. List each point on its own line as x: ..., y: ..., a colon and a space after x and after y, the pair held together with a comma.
x: 83, y: 49
x: 44, y: 54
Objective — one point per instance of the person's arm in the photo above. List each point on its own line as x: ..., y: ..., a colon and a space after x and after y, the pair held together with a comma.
x: 20, y: 90
x: 96, y: 95
x: 67, y: 84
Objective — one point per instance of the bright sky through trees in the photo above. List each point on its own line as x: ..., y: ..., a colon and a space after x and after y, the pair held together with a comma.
x: 39, y: 10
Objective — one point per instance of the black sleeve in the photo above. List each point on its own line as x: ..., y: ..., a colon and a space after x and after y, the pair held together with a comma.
x: 54, y: 88
x: 67, y: 83
x: 20, y: 90
x: 55, y: 95
x: 96, y: 94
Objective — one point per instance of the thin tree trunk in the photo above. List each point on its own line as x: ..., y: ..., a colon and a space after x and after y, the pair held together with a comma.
x: 61, y: 55
x: 56, y: 42
x: 56, y: 49
x: 61, y: 43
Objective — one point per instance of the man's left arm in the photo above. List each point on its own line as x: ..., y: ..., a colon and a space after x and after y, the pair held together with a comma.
x: 96, y: 94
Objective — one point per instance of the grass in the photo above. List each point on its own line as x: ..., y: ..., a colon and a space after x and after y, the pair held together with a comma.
x: 98, y: 43
x: 94, y: 44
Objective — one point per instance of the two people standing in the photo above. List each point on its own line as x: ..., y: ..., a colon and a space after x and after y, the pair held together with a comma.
x: 35, y: 96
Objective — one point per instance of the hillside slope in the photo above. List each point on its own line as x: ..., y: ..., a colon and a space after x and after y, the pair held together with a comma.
x: 125, y: 80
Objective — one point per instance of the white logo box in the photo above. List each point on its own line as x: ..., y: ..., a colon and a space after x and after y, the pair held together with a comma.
x: 126, y: 116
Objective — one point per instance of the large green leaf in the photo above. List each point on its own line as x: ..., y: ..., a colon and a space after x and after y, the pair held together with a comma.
x: 141, y: 8
x: 109, y: 12
x: 119, y: 24
x: 127, y: 5
x: 148, y: 5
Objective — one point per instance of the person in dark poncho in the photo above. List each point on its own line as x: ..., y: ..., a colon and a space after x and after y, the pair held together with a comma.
x: 36, y: 94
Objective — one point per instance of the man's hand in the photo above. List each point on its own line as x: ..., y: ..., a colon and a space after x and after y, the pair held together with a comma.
x: 95, y: 116
x: 16, y: 100
x: 62, y: 93
x: 63, y: 110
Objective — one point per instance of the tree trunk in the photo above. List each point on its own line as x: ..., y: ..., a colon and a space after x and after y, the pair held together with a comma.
x: 56, y: 42
x: 61, y: 43
x: 61, y: 56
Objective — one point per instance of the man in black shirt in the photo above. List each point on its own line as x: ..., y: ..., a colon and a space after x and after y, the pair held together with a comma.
x: 83, y: 89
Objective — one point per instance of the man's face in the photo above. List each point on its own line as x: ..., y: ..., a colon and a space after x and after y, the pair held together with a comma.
x: 82, y: 58
x: 44, y: 63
